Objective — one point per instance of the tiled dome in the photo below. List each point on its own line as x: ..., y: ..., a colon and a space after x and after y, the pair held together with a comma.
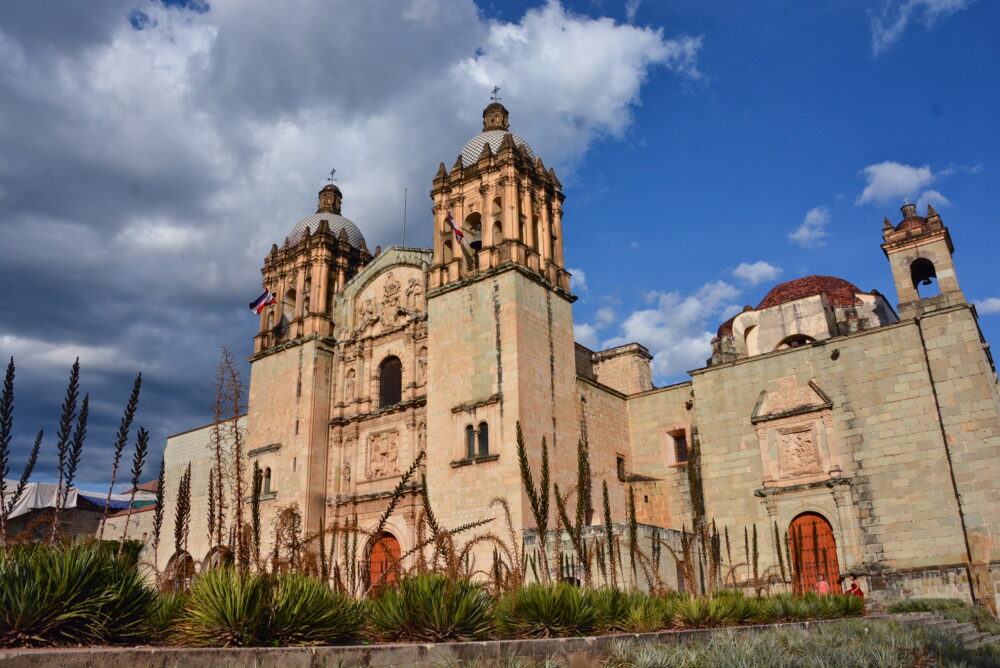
x: 841, y: 292
x: 337, y: 223
x: 473, y: 147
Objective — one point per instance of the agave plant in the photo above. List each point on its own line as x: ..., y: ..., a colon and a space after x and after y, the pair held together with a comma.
x: 70, y: 595
x: 304, y: 611
x: 548, y: 611
x: 648, y: 614
x: 226, y: 608
x: 165, y: 614
x: 431, y: 608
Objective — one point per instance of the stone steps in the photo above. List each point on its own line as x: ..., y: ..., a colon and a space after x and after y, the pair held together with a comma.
x: 971, y: 637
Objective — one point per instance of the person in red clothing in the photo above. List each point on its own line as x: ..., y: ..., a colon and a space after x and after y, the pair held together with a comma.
x: 822, y: 586
x: 855, y: 587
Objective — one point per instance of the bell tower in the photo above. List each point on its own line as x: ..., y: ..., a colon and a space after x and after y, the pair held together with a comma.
x: 505, y: 202
x: 920, y: 251
x: 499, y: 326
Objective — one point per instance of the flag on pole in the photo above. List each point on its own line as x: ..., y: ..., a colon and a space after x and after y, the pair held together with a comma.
x: 459, y: 234
x: 265, y: 299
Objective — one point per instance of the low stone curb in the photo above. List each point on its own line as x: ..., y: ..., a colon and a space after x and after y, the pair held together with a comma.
x: 575, y: 652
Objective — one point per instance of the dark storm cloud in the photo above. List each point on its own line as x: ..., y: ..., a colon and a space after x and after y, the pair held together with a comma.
x: 151, y: 153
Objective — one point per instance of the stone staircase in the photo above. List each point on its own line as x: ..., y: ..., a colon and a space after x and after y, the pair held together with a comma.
x: 967, y: 631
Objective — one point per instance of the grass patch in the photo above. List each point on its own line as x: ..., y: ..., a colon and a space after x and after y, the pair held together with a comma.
x: 952, y: 608
x: 874, y: 643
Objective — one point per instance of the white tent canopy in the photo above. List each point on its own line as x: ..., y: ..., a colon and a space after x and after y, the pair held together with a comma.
x: 39, y: 495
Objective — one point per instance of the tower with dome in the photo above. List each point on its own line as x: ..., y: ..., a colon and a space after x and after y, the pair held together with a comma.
x: 866, y: 435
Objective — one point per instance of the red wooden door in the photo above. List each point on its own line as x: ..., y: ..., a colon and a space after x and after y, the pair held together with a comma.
x: 384, y: 556
x: 814, y: 553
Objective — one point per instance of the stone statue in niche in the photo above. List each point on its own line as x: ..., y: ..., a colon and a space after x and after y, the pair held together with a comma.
x: 390, y: 301
x: 421, y: 437
x: 349, y: 386
x: 366, y: 313
x: 383, y: 453
x: 347, y: 474
x: 415, y: 295
x: 422, y: 365
x: 799, y: 452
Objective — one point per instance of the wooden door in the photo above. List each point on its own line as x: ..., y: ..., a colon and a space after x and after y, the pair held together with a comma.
x: 384, y: 556
x: 814, y: 552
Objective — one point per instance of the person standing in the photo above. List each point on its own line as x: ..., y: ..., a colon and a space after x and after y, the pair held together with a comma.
x: 822, y: 586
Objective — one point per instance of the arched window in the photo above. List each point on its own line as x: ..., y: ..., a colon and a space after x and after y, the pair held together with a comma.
x: 266, y: 485
x: 750, y: 338
x: 795, y: 341
x: 923, y: 273
x: 484, y: 439
x: 813, y: 551
x: 390, y: 382
x: 288, y: 306
x: 306, y: 292
x: 473, y: 228
x: 497, y: 233
x: 536, y: 243
x: 448, y: 253
x: 470, y: 442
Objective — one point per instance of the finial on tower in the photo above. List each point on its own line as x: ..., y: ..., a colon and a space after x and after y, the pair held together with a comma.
x: 495, y: 116
x: 329, y: 198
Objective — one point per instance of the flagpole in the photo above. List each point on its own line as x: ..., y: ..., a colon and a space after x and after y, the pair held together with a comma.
x: 404, y: 216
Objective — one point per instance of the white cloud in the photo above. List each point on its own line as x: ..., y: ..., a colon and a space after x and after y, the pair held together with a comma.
x: 35, y: 353
x: 989, y: 306
x: 179, y: 143
x: 756, y: 272
x: 889, y: 25
x: 585, y: 334
x: 932, y: 197
x: 577, y: 280
x: 675, y: 328
x: 631, y: 9
x: 890, y: 182
x: 812, y: 232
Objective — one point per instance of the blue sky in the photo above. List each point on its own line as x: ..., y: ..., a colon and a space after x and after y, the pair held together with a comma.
x: 150, y: 154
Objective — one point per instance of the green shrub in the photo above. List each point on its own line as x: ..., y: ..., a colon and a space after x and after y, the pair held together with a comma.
x: 165, y: 614
x: 547, y: 611
x: 649, y: 614
x: 304, y: 611
x: 70, y: 595
x: 226, y: 608
x: 431, y: 608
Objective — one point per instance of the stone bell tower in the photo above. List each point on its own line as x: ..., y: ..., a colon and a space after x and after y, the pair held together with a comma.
x: 506, y: 203
x: 500, y: 325
x: 919, y: 249
x: 290, y: 374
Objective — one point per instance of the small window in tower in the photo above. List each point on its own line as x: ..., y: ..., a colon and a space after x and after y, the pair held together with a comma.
x: 620, y: 467
x: 390, y: 382
x: 680, y: 446
x: 266, y: 484
x: 470, y: 442
x: 484, y: 439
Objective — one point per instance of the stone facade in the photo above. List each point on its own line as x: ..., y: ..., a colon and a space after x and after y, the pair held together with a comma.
x: 819, y: 401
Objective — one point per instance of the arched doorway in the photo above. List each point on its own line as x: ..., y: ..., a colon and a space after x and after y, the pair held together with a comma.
x: 383, y: 556
x: 814, y: 552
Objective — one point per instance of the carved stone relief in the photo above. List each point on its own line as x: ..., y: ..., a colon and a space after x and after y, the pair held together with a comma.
x: 390, y: 301
x: 415, y: 295
x: 383, y: 454
x: 422, y: 365
x: 798, y: 452
x: 349, y: 386
x: 421, y: 437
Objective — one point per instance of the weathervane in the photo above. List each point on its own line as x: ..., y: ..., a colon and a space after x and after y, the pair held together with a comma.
x: 332, y: 173
x: 495, y: 96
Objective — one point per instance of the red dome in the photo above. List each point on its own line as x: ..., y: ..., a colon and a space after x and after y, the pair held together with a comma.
x: 841, y: 292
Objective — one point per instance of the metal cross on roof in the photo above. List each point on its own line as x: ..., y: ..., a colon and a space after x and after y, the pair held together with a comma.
x: 332, y: 173
x: 495, y: 96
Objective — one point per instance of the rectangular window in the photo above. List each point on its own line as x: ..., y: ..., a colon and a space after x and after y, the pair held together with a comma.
x: 620, y: 467
x: 680, y: 447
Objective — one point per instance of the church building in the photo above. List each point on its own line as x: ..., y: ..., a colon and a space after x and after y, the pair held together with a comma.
x: 824, y: 411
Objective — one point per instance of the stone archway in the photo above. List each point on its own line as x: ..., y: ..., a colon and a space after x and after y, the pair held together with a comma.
x: 383, y: 556
x: 814, y: 552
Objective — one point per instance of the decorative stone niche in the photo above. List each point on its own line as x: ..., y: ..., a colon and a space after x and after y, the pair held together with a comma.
x: 795, y: 433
